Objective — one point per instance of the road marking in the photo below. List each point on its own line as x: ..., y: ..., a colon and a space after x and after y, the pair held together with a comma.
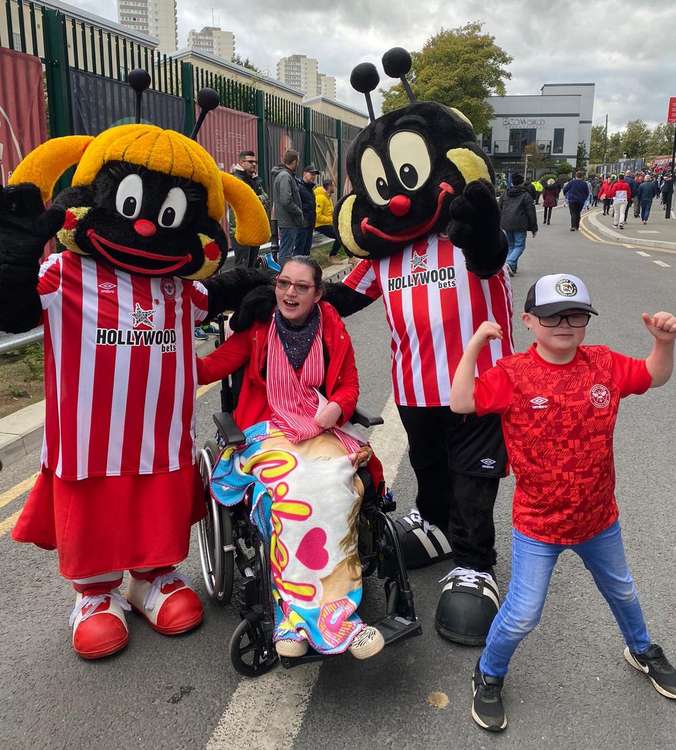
x: 266, y: 713
x: 9, y: 522
x: 640, y: 252
x: 648, y: 231
x: 661, y: 263
x: 13, y: 492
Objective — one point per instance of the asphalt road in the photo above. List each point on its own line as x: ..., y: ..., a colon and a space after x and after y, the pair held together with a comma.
x: 568, y: 688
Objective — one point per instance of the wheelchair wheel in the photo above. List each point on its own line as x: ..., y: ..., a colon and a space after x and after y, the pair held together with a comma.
x: 215, y: 536
x: 251, y: 654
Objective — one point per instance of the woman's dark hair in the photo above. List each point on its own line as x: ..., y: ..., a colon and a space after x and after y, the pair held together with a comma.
x: 326, y: 183
x: 311, y: 263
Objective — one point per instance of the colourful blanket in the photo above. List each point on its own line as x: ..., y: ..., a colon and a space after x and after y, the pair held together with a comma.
x: 306, y: 501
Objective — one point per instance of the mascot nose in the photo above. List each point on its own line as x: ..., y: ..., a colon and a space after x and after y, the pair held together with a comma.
x: 400, y: 205
x: 145, y: 228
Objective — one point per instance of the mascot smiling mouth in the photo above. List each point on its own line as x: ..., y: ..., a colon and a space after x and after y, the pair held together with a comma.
x: 101, y: 243
x: 410, y: 234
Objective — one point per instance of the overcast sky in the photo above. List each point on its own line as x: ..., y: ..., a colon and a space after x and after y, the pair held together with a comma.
x: 625, y: 47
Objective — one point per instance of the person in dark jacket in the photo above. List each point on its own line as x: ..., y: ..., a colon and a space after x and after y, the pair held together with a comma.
x: 550, y: 197
x: 667, y: 194
x: 306, y: 189
x: 576, y: 192
x: 646, y: 194
x: 633, y: 185
x: 245, y: 170
x: 517, y: 216
x: 287, y: 207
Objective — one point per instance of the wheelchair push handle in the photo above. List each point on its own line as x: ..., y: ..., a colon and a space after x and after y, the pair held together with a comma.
x: 365, y: 419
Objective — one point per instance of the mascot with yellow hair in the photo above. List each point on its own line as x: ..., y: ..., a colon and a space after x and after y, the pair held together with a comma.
x: 423, y: 221
x: 139, y: 229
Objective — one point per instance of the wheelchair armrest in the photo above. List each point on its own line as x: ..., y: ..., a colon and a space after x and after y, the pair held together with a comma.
x: 365, y: 419
x: 227, y: 428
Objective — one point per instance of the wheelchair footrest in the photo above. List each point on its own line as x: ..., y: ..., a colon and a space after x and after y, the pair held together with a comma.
x: 288, y: 662
x: 396, y: 628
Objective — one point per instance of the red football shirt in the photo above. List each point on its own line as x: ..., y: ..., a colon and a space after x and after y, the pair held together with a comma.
x: 558, y: 423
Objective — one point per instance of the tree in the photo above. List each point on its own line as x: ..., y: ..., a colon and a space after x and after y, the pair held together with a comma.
x: 615, y: 146
x: 245, y: 63
x: 581, y: 156
x: 597, y: 145
x: 661, y: 140
x: 457, y: 67
x: 635, y: 139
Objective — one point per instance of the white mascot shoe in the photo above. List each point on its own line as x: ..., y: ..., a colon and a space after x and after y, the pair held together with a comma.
x: 167, y: 602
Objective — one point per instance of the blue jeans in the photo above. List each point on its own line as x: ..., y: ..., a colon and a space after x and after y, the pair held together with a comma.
x: 532, y: 567
x: 645, y: 209
x: 516, y: 241
x: 289, y: 239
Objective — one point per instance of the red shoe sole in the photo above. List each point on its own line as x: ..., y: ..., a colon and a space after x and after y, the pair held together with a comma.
x: 102, y: 653
x: 177, y: 630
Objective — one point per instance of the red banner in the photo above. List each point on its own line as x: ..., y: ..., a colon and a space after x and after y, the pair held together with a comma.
x: 23, y: 124
x: 671, y: 114
x: 225, y: 133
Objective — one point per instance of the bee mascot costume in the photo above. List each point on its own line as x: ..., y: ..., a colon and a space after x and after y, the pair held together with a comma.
x: 423, y: 221
x: 118, y: 488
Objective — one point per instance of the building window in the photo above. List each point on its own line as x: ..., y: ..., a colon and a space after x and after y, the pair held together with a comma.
x: 558, y: 141
x: 487, y: 140
x: 519, y: 138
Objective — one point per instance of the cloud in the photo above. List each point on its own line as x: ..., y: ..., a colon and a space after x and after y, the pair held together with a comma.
x: 622, y: 48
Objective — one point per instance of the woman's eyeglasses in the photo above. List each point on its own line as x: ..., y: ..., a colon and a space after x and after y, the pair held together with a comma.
x: 300, y: 286
x: 574, y: 320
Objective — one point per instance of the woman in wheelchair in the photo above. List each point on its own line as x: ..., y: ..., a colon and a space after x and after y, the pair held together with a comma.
x: 300, y: 385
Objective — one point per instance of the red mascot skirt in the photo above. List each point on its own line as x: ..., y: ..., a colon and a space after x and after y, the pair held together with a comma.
x: 103, y: 524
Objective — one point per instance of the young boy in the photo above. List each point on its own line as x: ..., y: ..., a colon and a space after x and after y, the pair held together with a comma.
x: 559, y: 404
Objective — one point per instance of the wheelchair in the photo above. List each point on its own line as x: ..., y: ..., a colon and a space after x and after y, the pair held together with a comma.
x: 235, y: 558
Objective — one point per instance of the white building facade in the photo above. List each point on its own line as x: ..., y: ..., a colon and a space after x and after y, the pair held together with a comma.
x: 302, y: 72
x: 154, y: 17
x: 214, y: 41
x: 551, y: 124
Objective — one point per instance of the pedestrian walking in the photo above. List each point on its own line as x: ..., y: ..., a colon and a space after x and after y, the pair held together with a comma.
x: 620, y: 193
x: 324, y: 218
x: 306, y: 188
x: 576, y: 192
x: 596, y: 189
x: 633, y: 186
x: 517, y: 216
x: 550, y: 197
x: 604, y: 194
x: 559, y: 402
x: 287, y: 206
x: 645, y: 197
x: 667, y: 194
x: 538, y: 187
x: 245, y: 170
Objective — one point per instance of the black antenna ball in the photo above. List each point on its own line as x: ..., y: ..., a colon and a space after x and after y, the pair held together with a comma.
x: 208, y: 99
x: 139, y: 80
x: 364, y: 78
x: 397, y: 62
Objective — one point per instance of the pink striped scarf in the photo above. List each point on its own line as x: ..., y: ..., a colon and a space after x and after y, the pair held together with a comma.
x: 291, y: 394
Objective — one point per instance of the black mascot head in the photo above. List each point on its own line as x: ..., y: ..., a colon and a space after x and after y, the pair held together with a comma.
x: 405, y: 167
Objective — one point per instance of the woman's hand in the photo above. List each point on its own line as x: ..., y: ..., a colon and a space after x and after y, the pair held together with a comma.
x: 329, y: 415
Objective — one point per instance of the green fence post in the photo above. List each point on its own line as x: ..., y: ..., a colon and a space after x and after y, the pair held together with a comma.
x: 339, y: 157
x: 307, y: 127
x: 188, y: 94
x: 56, y: 73
x: 260, y: 114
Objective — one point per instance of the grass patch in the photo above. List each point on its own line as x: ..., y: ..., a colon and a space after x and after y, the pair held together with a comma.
x: 21, y: 378
x: 321, y: 254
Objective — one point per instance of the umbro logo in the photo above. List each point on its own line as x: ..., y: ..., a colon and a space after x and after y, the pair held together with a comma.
x: 539, y: 402
x: 107, y: 287
x: 488, y: 463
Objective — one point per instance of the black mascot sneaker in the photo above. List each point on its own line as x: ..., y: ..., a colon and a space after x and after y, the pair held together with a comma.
x: 422, y: 543
x: 487, y: 709
x: 656, y: 666
x: 469, y: 601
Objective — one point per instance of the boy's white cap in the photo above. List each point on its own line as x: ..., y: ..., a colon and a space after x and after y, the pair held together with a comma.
x: 557, y: 292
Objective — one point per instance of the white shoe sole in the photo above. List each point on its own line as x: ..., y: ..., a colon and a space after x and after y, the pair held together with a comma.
x: 292, y: 649
x: 370, y: 649
x: 637, y: 665
x: 476, y: 718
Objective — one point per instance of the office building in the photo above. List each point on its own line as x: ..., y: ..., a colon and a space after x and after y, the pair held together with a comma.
x: 154, y: 17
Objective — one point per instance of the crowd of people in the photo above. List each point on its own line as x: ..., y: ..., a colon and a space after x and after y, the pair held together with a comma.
x: 617, y: 194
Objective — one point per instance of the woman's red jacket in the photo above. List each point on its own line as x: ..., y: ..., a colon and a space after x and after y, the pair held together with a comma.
x: 249, y: 349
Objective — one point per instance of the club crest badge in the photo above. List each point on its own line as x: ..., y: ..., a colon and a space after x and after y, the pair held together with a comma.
x: 599, y: 396
x: 566, y: 288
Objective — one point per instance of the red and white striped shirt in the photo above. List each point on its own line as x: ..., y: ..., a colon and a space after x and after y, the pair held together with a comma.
x: 433, y: 306
x: 120, y: 369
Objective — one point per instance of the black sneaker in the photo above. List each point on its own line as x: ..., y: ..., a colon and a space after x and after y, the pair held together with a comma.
x: 487, y: 709
x: 656, y: 665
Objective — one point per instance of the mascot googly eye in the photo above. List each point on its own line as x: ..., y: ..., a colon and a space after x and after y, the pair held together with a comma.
x: 145, y: 200
x: 406, y: 167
